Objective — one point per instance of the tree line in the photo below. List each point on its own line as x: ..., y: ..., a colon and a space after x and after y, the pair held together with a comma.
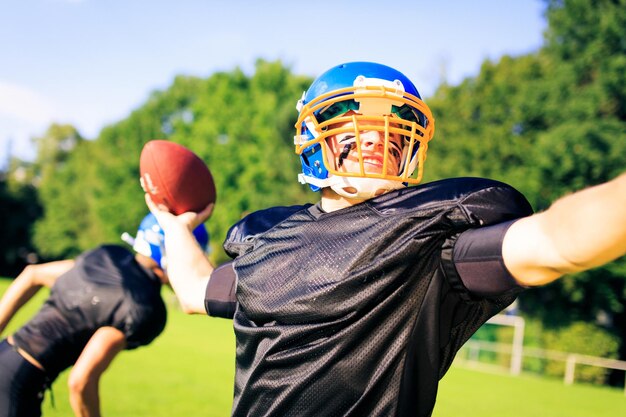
x: 548, y: 123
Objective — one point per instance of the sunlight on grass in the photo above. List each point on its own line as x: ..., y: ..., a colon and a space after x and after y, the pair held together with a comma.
x: 189, y: 371
x: 471, y: 393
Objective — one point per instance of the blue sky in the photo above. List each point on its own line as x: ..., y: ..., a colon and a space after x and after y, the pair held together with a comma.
x: 91, y: 62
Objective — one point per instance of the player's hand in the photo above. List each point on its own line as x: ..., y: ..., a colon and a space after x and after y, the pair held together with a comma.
x: 190, y: 219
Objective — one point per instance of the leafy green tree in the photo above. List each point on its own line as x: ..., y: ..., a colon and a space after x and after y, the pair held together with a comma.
x: 241, y: 126
x: 584, y: 140
x: 486, y: 126
x: 19, y: 207
x: 243, y: 129
x: 118, y: 203
x: 548, y: 123
x: 586, y: 339
x: 53, y: 150
x: 57, y: 232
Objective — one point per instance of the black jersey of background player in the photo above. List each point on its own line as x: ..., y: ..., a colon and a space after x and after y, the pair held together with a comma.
x: 106, y: 287
x: 350, y: 313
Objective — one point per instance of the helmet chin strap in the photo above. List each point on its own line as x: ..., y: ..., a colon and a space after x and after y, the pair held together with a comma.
x: 353, y: 187
x: 363, y: 188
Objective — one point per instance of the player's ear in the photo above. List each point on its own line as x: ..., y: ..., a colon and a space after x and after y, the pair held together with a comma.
x: 206, y: 212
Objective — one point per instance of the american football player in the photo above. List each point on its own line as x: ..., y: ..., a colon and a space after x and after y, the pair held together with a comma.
x: 357, y: 305
x: 106, y: 300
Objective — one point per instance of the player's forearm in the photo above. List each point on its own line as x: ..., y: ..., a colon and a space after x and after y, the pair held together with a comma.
x: 578, y: 232
x: 85, y: 401
x: 589, y: 227
x: 22, y: 289
x: 188, y: 268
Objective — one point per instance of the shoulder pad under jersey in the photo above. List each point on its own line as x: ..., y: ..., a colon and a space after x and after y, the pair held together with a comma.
x: 256, y: 223
x: 482, y: 201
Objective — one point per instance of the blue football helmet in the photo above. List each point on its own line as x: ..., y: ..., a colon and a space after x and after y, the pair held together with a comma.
x: 357, y: 97
x: 150, y: 239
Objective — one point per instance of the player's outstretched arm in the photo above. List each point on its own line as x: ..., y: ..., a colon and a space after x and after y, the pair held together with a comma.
x: 580, y: 231
x: 26, y: 285
x: 84, y: 378
x: 188, y: 268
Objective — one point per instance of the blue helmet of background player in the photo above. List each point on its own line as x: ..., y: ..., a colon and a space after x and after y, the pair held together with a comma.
x: 150, y: 239
x: 379, y: 98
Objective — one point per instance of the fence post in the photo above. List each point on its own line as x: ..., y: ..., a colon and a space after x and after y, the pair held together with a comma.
x: 518, y: 346
x: 570, y: 368
x: 474, y: 353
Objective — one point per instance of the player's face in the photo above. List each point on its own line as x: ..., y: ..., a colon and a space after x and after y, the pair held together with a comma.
x: 346, y: 156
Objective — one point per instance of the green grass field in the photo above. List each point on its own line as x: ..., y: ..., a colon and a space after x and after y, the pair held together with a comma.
x: 188, y: 371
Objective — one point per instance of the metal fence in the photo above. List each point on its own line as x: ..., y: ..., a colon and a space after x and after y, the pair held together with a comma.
x: 470, y: 352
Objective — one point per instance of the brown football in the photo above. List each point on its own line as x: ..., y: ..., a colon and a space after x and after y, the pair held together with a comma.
x: 175, y: 177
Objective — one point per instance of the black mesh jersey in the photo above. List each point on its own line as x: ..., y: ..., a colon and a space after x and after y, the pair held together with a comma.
x: 106, y: 287
x: 350, y: 313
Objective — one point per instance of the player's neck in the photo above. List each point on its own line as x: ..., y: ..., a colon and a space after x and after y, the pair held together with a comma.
x: 331, y: 201
x: 150, y: 264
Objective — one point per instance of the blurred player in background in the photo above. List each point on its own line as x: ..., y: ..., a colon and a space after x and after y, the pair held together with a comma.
x: 106, y: 300
x: 357, y: 305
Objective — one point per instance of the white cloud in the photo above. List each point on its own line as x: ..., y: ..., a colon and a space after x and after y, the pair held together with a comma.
x: 15, y: 139
x: 24, y: 114
x: 21, y: 103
